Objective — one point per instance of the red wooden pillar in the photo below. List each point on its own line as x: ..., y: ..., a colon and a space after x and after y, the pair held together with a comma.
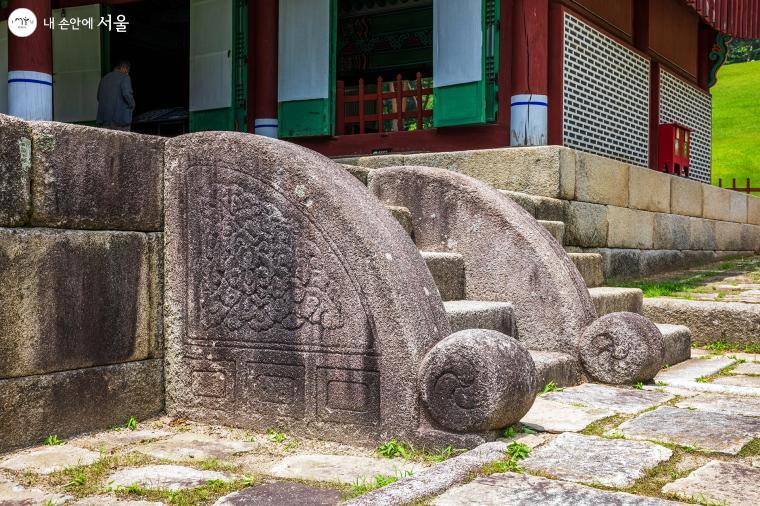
x: 263, y: 22
x: 30, y: 63
x: 530, y: 50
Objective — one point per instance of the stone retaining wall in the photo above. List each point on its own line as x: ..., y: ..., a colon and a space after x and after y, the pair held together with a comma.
x: 81, y: 240
x: 640, y: 220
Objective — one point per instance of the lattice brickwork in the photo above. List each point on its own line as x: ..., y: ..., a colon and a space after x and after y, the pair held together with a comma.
x: 605, y: 95
x: 683, y: 103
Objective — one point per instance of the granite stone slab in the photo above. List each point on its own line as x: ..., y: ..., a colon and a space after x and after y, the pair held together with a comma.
x: 589, y: 459
x: 119, y: 438
x: 341, y: 468
x: 100, y: 500
x: 512, y: 489
x: 747, y: 368
x: 719, y: 482
x: 727, y: 404
x: 281, y: 493
x: 739, y: 380
x: 551, y: 416
x: 692, y: 369
x: 703, y: 430
x: 619, y: 400
x: 49, y: 459
x: 195, y: 447
x: 163, y: 477
x: 13, y: 494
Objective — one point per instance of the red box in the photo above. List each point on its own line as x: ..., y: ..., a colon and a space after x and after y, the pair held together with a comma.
x: 675, y: 148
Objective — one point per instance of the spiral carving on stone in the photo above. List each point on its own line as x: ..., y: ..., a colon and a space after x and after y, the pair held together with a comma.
x: 477, y: 380
x: 622, y: 348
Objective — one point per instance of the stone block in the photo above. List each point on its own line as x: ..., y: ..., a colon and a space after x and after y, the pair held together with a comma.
x: 542, y: 208
x: 82, y: 400
x: 555, y: 228
x: 656, y: 261
x: 750, y: 238
x: 586, y: 224
x: 728, y: 235
x: 554, y: 367
x: 476, y: 314
x: 719, y: 483
x: 630, y: 228
x: 15, y: 171
x: 677, y: 343
x: 701, y: 234
x: 548, y: 171
x: 649, y: 190
x: 374, y: 161
x: 93, y: 178
x: 601, y: 180
x: 278, y: 308
x: 685, y: 197
x: 448, y: 273
x: 590, y: 267
x: 75, y: 299
x: 623, y: 400
x: 346, y: 469
x: 671, y: 231
x: 283, y: 492
x: 716, y: 203
x: 753, y: 210
x: 619, y: 263
x: 738, y: 207
x: 608, y: 299
x: 734, y: 322
x: 360, y: 173
x: 556, y: 417
x: 164, y: 477
x: 403, y: 217
x: 692, y: 258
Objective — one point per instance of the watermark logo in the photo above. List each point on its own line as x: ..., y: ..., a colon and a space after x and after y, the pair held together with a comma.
x: 22, y: 22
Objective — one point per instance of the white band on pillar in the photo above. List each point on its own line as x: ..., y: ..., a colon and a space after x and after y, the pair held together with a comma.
x: 528, y: 122
x: 266, y: 127
x: 30, y: 95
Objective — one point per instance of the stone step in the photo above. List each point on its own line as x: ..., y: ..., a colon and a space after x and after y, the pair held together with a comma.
x: 554, y: 367
x: 542, y: 208
x: 404, y: 217
x: 677, y: 343
x: 590, y: 267
x: 555, y: 228
x: 477, y: 314
x: 608, y: 299
x: 448, y: 273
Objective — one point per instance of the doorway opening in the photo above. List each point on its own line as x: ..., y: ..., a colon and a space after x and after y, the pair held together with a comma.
x: 156, y: 44
x: 384, y: 66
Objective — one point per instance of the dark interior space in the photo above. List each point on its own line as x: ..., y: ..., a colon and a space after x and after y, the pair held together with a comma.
x: 157, y: 45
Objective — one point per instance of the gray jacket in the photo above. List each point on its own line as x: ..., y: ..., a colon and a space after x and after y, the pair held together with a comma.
x: 115, y: 99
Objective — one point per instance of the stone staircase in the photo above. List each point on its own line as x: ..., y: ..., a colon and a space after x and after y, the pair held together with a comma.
x: 449, y: 274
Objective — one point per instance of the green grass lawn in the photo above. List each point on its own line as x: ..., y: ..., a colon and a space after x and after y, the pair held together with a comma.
x: 736, y: 124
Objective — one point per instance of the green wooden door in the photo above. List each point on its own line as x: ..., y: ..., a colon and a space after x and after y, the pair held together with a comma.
x: 306, y: 67
x: 218, y: 69
x: 465, y: 61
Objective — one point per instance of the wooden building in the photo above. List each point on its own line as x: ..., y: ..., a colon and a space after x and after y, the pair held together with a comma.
x: 349, y: 77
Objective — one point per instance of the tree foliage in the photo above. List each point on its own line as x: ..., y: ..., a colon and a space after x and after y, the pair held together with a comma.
x: 743, y: 50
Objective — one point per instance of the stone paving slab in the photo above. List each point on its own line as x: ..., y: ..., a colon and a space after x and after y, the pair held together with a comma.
x: 282, y: 493
x: 164, y: 477
x: 727, y: 404
x: 119, y: 438
x: 101, y: 500
x: 512, y: 489
x: 341, y: 468
x: 49, y: 459
x: 13, y: 494
x: 619, y: 400
x: 550, y: 416
x: 589, y: 459
x: 747, y: 368
x: 739, y: 380
x: 719, y: 482
x: 692, y: 369
x: 188, y: 446
x: 703, y: 430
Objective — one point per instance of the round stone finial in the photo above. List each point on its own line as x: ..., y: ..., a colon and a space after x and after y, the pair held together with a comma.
x: 621, y: 349
x: 477, y: 380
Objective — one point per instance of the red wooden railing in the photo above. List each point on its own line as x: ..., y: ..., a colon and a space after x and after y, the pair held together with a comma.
x: 745, y: 189
x: 399, y: 100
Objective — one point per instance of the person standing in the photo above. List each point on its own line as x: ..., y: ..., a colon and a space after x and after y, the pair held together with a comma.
x: 116, y: 100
